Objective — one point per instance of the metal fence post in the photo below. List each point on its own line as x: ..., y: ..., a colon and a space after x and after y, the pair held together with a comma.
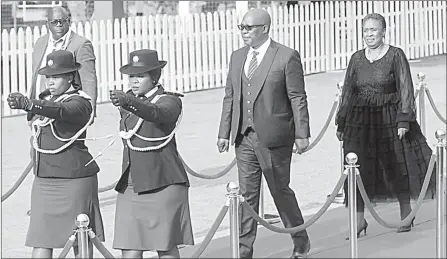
x: 421, y: 77
x: 82, y: 222
x: 233, y: 196
x: 440, y: 197
x: 351, y: 159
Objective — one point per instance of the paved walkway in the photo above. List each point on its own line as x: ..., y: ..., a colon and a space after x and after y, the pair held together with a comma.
x: 314, y: 174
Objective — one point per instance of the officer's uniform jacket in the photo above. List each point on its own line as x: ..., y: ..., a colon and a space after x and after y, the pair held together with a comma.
x: 70, y: 116
x: 151, y: 170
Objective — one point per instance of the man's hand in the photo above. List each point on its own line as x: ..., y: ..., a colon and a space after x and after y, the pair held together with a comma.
x: 18, y: 101
x: 339, y: 135
x: 401, y: 132
x: 118, y: 97
x: 301, y: 145
x: 223, y: 145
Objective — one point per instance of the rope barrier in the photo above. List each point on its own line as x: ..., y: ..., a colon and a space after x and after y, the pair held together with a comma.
x: 308, y: 223
x: 409, y: 218
x: 211, y: 232
x: 432, y: 103
x: 19, y: 181
x: 98, y: 244
x: 68, y: 246
x: 325, y: 127
x: 204, y: 176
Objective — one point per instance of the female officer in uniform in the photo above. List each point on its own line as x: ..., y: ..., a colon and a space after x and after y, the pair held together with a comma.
x: 64, y: 186
x: 152, y: 210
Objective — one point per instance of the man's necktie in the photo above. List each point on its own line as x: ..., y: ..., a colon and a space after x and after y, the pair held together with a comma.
x: 253, y: 65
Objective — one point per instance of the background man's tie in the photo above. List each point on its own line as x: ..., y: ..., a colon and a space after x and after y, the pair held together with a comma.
x: 253, y: 65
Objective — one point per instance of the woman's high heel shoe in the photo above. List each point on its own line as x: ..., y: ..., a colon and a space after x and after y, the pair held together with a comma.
x: 359, y: 231
x: 407, y: 228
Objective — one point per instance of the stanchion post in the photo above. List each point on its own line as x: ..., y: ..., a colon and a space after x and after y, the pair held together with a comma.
x: 421, y: 77
x: 233, y: 196
x: 82, y: 222
x: 351, y: 159
x: 441, y: 238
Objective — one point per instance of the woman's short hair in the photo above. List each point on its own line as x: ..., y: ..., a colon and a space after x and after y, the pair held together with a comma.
x: 377, y: 17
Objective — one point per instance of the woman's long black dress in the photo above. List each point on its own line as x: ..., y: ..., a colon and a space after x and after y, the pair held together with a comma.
x: 377, y: 99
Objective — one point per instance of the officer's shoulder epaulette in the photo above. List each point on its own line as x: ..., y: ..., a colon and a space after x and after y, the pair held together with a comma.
x: 173, y: 93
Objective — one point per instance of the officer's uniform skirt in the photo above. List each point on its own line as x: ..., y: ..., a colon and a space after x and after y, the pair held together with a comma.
x: 55, y: 204
x: 155, y: 221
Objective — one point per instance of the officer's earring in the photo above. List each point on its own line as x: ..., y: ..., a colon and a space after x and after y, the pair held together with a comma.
x: 70, y: 81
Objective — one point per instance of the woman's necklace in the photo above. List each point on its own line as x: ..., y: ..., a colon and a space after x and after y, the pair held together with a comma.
x: 380, y: 49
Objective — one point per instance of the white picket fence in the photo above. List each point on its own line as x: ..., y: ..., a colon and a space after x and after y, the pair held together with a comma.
x: 198, y: 47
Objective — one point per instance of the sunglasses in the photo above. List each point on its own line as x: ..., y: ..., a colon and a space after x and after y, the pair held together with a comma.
x: 248, y: 27
x: 58, y: 21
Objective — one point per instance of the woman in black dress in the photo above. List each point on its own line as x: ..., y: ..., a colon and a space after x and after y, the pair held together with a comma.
x: 377, y: 121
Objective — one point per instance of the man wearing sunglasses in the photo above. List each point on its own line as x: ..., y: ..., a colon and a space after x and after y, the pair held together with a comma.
x: 265, y: 113
x: 61, y: 37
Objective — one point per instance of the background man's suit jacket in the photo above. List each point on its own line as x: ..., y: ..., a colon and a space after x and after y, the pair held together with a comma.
x: 82, y: 49
x: 280, y: 113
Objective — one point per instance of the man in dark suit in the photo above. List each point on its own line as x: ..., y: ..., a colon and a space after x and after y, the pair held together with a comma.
x: 265, y: 113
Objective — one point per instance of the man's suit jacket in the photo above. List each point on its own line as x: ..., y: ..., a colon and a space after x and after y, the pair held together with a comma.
x: 280, y: 113
x: 82, y: 49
